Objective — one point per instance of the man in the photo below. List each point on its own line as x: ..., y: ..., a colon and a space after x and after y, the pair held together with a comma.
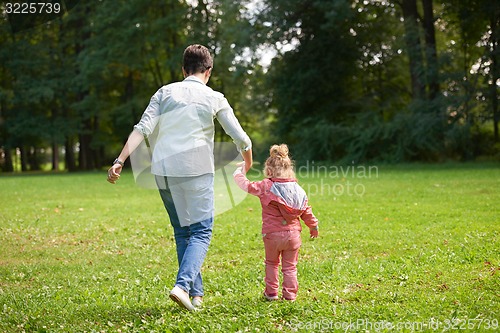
x: 183, y: 162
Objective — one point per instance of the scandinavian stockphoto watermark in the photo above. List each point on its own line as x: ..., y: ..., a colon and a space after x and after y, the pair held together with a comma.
x: 336, y: 180
x: 316, y: 179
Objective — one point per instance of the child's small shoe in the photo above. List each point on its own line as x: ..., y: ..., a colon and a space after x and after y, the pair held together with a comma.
x: 271, y: 297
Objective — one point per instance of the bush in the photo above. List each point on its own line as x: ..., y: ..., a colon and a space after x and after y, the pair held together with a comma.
x: 421, y: 136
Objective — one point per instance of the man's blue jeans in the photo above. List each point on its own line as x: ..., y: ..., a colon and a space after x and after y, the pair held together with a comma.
x: 189, y: 202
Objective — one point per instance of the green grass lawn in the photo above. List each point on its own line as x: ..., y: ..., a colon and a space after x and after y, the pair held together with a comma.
x: 403, y: 248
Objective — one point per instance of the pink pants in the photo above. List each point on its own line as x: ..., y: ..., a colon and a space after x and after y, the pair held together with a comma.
x: 285, y: 244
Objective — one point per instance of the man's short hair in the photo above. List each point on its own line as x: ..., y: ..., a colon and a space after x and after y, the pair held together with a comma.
x: 197, y: 59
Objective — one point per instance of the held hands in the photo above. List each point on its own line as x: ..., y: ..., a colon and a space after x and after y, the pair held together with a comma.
x: 313, y: 232
x: 114, y: 173
x: 243, y: 167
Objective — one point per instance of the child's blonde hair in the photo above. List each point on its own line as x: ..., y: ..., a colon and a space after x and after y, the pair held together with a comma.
x: 279, y: 164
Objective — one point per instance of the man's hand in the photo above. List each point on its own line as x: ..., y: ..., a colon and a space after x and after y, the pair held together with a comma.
x: 247, y: 167
x: 248, y: 160
x: 114, y: 173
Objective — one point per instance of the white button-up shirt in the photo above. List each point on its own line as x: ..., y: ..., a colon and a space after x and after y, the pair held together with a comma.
x: 184, y: 113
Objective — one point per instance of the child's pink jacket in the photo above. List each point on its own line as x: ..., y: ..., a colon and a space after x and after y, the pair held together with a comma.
x: 283, y: 202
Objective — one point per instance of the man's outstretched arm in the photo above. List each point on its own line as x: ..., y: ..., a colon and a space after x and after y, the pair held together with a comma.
x: 134, y: 140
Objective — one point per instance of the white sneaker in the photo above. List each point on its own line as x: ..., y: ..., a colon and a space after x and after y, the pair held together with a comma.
x: 182, y: 298
x: 197, y: 301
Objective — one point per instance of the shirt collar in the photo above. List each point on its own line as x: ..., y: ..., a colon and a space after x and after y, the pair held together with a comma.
x: 194, y: 78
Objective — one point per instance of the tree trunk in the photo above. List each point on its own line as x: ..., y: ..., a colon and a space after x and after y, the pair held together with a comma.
x: 494, y: 98
x: 430, y: 50
x: 69, y: 156
x: 33, y: 162
x: 24, y: 158
x: 8, y: 165
x: 412, y: 38
x: 55, y: 157
x: 96, y: 153
x: 85, y: 158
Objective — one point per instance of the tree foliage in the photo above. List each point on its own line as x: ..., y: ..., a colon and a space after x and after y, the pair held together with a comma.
x: 380, y: 80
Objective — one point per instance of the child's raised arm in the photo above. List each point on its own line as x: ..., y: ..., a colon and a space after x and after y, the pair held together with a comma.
x: 254, y: 188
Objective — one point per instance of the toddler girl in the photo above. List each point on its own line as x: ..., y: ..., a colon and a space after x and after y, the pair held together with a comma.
x: 283, y: 203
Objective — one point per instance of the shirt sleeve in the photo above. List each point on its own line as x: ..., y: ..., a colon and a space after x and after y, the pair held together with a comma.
x: 230, y: 124
x: 308, y: 217
x: 254, y: 188
x: 151, y: 115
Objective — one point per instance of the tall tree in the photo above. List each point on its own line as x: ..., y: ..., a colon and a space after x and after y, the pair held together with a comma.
x: 414, y: 47
x: 312, y: 82
x: 495, y: 68
x: 474, y: 28
x: 6, y: 93
x: 432, y: 69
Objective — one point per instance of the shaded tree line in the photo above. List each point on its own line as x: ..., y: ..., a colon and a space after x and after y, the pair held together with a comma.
x: 350, y: 80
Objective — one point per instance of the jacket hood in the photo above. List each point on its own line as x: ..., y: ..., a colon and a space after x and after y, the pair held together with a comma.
x: 291, y: 197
